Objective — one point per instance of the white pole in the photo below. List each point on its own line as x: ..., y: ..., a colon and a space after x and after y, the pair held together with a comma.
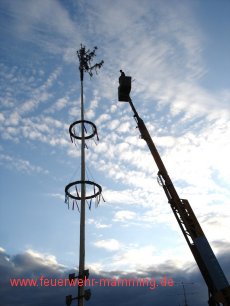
x: 83, y: 194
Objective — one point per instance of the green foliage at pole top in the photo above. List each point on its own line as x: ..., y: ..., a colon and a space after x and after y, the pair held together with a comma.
x: 85, y: 58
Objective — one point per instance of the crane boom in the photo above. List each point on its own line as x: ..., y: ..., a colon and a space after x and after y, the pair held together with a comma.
x: 217, y: 283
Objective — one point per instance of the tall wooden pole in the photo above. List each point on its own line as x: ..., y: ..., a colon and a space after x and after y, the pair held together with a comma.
x: 71, y: 190
x: 83, y: 194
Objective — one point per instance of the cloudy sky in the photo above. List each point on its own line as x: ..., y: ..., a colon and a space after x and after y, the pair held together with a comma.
x: 177, y: 53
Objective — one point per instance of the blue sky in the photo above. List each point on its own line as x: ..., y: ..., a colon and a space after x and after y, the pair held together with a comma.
x: 178, y: 55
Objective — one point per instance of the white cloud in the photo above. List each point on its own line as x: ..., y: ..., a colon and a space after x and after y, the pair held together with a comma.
x: 94, y: 101
x: 57, y: 196
x: 73, y: 152
x: 59, y: 105
x: 89, y: 114
x: 95, y: 267
x: 124, y: 127
x: 20, y: 165
x: 1, y: 117
x: 45, y: 259
x: 124, y: 215
x: 98, y: 224
x: 2, y: 250
x: 13, y: 119
x: 102, y: 119
x: 133, y: 257
x: 108, y: 244
x: 113, y: 124
x: 138, y: 257
x: 31, y: 22
x: 123, y: 197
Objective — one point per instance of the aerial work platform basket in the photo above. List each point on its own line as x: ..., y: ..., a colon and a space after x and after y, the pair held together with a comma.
x: 124, y: 87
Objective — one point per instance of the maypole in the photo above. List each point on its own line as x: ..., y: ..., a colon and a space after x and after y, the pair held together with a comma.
x: 72, y: 193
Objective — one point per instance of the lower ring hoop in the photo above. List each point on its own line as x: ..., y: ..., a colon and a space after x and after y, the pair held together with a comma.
x: 78, y: 197
x: 72, y: 134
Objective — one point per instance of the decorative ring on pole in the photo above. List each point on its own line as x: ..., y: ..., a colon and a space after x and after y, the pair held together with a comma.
x: 72, y: 131
x: 76, y: 196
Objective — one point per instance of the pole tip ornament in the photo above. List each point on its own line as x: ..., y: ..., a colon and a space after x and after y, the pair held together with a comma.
x: 85, y: 59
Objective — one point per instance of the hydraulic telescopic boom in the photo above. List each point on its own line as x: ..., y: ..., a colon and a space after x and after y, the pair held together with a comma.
x: 218, y: 286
